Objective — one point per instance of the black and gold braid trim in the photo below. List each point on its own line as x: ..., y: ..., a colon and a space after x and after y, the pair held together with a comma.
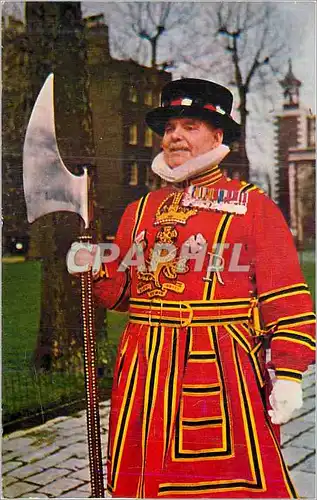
x: 305, y: 339
x: 247, y: 188
x: 200, y: 390
x: 198, y: 321
x: 139, y: 214
x: 280, y: 293
x: 202, y: 423
x: 196, y: 305
x: 200, y: 356
x: 292, y: 320
x: 284, y: 373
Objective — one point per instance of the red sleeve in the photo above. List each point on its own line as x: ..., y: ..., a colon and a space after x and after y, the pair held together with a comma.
x: 284, y: 300
x: 112, y: 289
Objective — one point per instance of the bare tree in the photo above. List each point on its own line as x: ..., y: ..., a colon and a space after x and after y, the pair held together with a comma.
x: 12, y: 11
x: 132, y: 24
x: 246, y: 44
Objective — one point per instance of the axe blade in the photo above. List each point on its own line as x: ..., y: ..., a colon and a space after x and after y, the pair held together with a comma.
x: 48, y: 184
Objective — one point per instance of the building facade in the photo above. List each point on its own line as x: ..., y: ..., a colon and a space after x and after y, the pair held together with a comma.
x: 302, y: 181
x: 295, y: 161
x: 100, y: 105
x: 120, y: 93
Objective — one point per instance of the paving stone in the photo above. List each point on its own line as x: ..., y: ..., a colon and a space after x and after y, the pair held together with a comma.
x: 306, y: 440
x: 9, y: 455
x: 74, y: 494
x: 55, y: 459
x: 308, y: 465
x: 293, y: 455
x: 86, y: 488
x: 60, y: 486
x: 48, y: 440
x: 79, y: 450
x: 39, y: 453
x: 8, y: 466
x: 7, y: 480
x: 26, y: 470
x: 62, y: 442
x: 21, y: 455
x: 310, y: 417
x: 308, y: 385
x: 104, y: 413
x: 104, y: 439
x: 285, y: 437
x: 82, y: 417
x: 295, y: 427
x: 70, y: 423
x: 43, y: 434
x: 83, y: 474
x: 48, y: 476
x: 309, y: 391
x: 309, y: 403
x: 107, y: 402
x: 305, y: 484
x: 81, y: 413
x: 309, y: 407
x: 18, y: 489
x: 36, y: 495
x: 74, y: 464
x: 68, y: 432
x: 39, y: 428
x: 9, y: 444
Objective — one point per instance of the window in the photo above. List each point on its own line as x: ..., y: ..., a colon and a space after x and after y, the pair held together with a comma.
x: 148, y: 97
x: 134, y: 174
x: 133, y: 96
x: 311, y: 122
x: 133, y: 134
x: 148, y: 139
x: 148, y: 177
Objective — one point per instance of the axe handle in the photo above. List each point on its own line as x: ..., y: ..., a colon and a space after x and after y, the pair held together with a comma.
x: 93, y: 418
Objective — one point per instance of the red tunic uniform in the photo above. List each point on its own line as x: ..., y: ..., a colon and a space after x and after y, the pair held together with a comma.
x: 188, y: 416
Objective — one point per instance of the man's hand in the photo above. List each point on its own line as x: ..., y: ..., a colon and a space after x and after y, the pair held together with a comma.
x: 82, y: 257
x: 285, y: 398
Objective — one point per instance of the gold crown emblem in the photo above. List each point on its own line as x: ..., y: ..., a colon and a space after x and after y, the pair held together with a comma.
x: 171, y: 212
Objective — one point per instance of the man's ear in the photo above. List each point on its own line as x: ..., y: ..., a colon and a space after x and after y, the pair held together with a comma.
x: 218, y: 137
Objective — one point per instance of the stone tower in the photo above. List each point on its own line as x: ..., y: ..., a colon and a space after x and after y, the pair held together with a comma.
x: 289, y: 132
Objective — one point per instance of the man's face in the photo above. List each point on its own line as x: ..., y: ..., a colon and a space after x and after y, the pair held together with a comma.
x: 185, y: 138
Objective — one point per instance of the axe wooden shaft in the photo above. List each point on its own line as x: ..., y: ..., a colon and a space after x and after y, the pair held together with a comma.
x: 93, y: 418
x: 50, y: 187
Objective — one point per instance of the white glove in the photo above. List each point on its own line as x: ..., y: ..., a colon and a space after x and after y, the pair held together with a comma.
x: 285, y: 398
x: 83, y: 256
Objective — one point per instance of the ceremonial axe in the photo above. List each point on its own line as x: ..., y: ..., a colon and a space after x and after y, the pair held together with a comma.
x: 50, y: 187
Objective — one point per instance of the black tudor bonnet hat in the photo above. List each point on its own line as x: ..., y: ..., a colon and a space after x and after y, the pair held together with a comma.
x: 195, y: 98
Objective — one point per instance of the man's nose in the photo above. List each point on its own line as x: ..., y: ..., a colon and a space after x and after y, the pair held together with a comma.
x: 177, y: 133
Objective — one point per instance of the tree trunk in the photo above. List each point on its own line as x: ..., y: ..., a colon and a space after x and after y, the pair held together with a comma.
x: 153, y: 51
x: 56, y: 43
x: 243, y: 159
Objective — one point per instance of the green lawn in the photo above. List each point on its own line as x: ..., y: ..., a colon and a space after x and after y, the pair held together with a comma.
x: 309, y: 273
x: 20, y: 313
x: 22, y: 388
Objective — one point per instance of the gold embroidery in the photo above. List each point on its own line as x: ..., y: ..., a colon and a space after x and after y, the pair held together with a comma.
x: 170, y: 211
x: 164, y: 262
x: 149, y: 281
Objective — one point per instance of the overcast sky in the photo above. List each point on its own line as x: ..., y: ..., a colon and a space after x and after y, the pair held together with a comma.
x: 300, y: 14
x: 300, y: 17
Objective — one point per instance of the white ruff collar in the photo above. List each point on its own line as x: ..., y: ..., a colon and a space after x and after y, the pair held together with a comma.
x: 192, y: 167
